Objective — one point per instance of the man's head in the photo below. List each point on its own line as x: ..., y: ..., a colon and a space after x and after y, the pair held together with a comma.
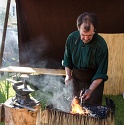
x: 86, y: 24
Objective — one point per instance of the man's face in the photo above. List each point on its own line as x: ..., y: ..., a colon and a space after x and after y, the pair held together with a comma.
x: 86, y: 36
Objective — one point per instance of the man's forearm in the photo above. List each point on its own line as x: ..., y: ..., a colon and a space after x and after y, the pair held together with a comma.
x: 68, y: 75
x: 92, y: 87
x: 68, y: 71
x: 95, y: 83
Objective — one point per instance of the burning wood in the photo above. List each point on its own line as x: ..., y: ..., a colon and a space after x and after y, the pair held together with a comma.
x: 77, y: 108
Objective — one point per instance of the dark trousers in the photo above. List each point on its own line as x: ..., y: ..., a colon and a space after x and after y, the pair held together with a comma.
x: 82, y: 81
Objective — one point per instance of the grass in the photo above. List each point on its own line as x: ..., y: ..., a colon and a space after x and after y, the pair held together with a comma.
x: 118, y: 100
x: 119, y: 108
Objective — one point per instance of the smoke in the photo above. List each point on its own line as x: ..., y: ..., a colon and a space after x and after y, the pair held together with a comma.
x: 11, y: 54
x: 53, y: 90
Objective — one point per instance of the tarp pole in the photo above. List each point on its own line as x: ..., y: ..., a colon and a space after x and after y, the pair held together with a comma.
x: 4, y: 31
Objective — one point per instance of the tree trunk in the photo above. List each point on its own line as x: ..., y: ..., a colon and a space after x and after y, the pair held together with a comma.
x: 21, y: 116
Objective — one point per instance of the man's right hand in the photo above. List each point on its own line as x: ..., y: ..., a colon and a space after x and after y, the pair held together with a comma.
x: 68, y: 80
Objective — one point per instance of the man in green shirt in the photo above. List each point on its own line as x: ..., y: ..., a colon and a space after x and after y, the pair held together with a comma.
x: 86, y: 60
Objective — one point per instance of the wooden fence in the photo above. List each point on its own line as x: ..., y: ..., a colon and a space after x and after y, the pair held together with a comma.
x: 115, y: 84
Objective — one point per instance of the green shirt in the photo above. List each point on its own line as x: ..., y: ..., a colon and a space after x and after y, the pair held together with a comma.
x: 90, y: 55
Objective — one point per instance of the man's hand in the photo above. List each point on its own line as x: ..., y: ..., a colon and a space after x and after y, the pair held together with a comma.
x: 68, y: 80
x: 92, y: 87
x: 87, y: 94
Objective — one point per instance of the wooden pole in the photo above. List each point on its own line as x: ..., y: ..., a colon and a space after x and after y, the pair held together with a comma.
x: 0, y: 111
x: 4, y: 31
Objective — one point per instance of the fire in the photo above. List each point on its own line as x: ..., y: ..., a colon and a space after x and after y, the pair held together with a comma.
x: 77, y: 108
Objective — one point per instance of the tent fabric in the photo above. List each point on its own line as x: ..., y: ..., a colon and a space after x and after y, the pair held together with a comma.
x: 43, y: 27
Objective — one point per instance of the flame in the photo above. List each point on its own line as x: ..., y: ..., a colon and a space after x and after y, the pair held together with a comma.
x: 77, y: 108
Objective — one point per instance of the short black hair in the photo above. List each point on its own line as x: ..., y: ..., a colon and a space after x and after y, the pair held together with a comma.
x: 88, y: 18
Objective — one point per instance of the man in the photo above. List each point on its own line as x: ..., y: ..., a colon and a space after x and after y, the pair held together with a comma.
x: 86, y: 60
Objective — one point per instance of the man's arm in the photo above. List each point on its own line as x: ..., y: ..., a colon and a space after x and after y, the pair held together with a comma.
x: 92, y: 87
x: 68, y: 75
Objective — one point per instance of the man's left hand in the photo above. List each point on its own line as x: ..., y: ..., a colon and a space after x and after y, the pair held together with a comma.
x: 87, y: 94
